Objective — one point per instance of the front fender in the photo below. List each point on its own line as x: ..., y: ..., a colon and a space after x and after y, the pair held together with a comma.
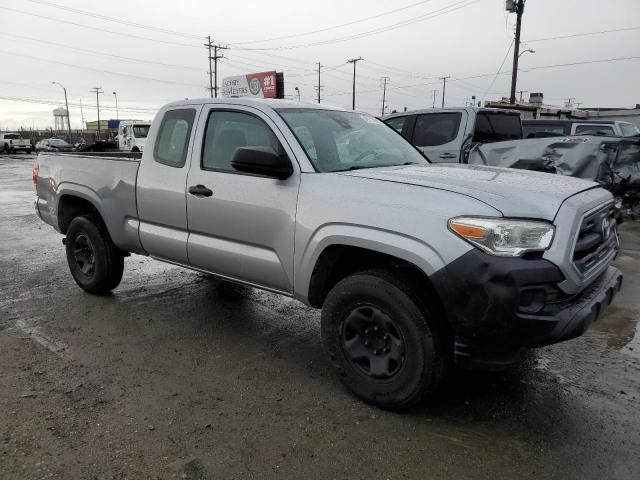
x: 413, y: 250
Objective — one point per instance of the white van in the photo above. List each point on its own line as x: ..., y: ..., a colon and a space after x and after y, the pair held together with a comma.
x: 132, y: 135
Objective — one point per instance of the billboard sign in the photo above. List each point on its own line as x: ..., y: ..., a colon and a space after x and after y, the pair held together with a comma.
x: 256, y: 85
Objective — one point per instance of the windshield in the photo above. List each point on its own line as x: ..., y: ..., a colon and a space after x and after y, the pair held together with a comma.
x: 336, y: 141
x: 57, y: 141
x: 140, y: 131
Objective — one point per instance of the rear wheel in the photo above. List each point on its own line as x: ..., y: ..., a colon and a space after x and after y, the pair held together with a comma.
x: 95, y: 262
x: 384, y: 341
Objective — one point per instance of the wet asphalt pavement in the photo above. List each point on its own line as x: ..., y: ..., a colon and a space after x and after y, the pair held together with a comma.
x: 177, y: 375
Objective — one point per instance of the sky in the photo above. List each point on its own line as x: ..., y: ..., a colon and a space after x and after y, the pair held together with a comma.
x: 152, y: 52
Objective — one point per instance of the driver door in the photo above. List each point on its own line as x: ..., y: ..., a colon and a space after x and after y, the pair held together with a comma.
x: 241, y: 226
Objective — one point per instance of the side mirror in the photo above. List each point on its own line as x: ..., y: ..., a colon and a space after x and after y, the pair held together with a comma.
x: 262, y: 161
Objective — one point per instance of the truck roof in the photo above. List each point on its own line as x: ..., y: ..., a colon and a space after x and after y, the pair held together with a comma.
x: 254, y: 102
x: 453, y: 109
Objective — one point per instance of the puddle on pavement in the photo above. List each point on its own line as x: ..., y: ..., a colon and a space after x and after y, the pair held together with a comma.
x: 620, y: 327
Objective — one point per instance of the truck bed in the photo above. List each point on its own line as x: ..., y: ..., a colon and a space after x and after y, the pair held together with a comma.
x: 106, y: 179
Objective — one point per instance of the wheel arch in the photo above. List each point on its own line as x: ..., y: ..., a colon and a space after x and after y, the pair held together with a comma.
x: 73, y: 204
x: 350, y: 249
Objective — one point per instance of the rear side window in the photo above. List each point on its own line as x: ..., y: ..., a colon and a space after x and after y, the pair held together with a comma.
x: 397, y: 123
x: 227, y: 131
x: 11, y: 136
x: 173, y: 138
x: 629, y: 129
x: 594, y: 130
x: 496, y: 127
x: 530, y: 129
x: 436, y: 128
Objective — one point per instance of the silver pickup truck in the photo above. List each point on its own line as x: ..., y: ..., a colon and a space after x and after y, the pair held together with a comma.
x: 415, y: 266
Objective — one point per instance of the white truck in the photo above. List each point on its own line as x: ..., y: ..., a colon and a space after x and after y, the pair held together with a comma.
x: 132, y: 135
x: 12, y: 143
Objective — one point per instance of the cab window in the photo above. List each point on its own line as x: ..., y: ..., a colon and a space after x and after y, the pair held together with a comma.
x: 434, y: 129
x: 227, y: 131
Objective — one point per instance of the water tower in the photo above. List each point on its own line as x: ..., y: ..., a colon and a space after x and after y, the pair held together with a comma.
x: 60, y: 118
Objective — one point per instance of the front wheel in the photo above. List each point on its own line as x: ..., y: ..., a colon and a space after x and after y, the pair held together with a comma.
x: 95, y: 262
x: 383, y: 340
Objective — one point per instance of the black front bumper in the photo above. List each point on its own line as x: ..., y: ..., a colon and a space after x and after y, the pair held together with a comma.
x: 498, y: 307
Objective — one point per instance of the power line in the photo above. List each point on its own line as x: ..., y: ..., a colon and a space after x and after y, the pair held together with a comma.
x: 94, y: 28
x: 499, y: 70
x: 109, y: 72
x: 326, y: 29
x: 82, y: 105
x: 585, y: 34
x: 436, y: 13
x: 116, y: 20
x: 13, y: 36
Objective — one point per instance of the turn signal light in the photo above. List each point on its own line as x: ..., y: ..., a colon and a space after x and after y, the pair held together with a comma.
x: 34, y: 174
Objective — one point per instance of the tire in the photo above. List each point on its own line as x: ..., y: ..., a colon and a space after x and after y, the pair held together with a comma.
x: 385, y: 343
x: 95, y: 262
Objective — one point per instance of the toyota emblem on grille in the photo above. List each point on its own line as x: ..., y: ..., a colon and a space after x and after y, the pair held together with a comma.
x: 605, y: 228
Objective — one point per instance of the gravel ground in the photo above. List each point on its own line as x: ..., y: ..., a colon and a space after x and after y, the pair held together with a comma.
x: 177, y: 375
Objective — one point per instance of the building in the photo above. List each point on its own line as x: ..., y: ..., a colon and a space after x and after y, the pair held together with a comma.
x: 535, y: 108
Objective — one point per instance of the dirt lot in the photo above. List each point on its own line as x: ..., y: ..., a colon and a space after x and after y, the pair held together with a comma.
x: 179, y: 376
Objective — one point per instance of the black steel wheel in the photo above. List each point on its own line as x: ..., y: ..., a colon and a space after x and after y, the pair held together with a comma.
x: 84, y: 255
x: 373, y: 342
x: 95, y: 262
x: 381, y: 334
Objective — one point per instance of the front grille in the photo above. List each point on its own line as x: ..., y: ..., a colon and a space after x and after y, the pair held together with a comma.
x: 598, y: 237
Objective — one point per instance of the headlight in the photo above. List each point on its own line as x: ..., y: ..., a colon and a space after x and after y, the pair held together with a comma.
x: 503, y: 236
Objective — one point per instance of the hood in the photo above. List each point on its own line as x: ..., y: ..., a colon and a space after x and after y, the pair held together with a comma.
x: 515, y: 193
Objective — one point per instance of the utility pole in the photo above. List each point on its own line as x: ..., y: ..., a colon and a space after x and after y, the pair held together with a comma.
x: 213, y: 69
x: 435, y: 93
x: 517, y: 7
x: 384, y: 92
x: 319, y: 86
x: 66, y: 104
x: 353, y: 99
x: 568, y: 102
x: 216, y: 57
x: 82, y: 115
x: 521, y: 92
x: 209, y: 46
x: 98, y: 91
x: 444, y: 86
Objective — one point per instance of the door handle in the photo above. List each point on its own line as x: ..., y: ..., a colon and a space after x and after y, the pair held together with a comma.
x: 447, y: 156
x: 200, y: 191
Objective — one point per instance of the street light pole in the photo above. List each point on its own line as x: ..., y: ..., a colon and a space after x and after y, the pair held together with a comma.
x: 117, y: 114
x: 66, y: 104
x: 297, y: 92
